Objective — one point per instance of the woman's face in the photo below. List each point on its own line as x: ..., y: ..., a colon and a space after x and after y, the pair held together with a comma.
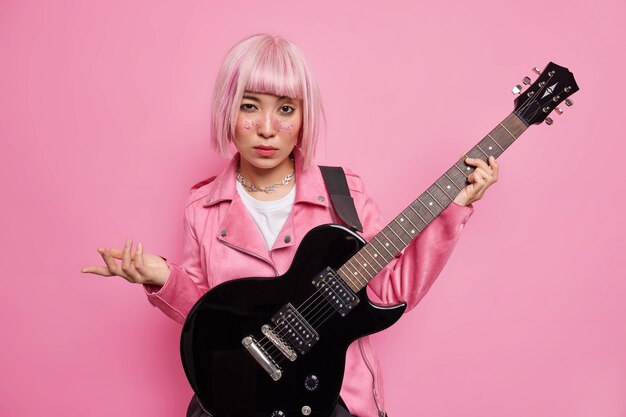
x: 267, y: 129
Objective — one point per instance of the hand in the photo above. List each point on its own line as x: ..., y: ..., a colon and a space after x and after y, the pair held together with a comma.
x: 136, y: 267
x: 482, y: 178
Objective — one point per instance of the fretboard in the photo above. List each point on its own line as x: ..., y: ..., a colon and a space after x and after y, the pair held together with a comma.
x: 397, y: 235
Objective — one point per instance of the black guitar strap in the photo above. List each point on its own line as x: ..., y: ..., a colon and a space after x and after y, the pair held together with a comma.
x: 337, y: 186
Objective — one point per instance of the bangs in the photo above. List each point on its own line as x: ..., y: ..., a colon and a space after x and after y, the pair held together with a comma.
x: 273, y: 71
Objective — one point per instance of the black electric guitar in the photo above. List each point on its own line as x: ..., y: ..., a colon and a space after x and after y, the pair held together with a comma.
x: 259, y: 347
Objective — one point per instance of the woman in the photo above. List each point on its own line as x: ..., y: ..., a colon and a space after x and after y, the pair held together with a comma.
x: 249, y: 220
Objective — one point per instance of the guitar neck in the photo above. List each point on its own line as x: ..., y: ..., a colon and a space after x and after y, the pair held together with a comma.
x: 396, y: 236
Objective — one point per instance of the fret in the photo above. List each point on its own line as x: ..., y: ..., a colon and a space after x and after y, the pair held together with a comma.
x: 496, y: 142
x: 377, y: 254
x: 439, y: 196
x: 457, y: 175
x: 481, y: 149
x: 389, y: 240
x: 508, y: 131
x: 436, y: 201
x: 405, y: 231
x: 452, y: 182
x: 412, y: 224
x: 433, y: 214
x: 399, y: 223
x: 460, y: 170
x: 356, y: 271
x: 490, y: 147
x: 364, y: 264
x: 384, y: 246
x: 365, y: 248
x: 441, y: 188
x: 468, y: 168
x: 415, y: 211
x: 346, y: 277
x: 476, y: 154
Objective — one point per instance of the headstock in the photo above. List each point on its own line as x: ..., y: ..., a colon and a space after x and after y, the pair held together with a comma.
x: 554, y: 85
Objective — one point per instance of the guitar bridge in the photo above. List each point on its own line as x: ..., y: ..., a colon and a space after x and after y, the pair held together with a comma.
x: 262, y: 358
x: 284, y: 348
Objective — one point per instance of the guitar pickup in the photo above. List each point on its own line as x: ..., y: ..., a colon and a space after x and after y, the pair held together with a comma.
x: 336, y: 292
x: 294, y: 328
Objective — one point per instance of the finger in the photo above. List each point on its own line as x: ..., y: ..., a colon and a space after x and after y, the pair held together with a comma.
x: 117, y: 253
x: 113, y: 267
x: 126, y: 254
x: 139, y: 264
x: 495, y: 167
x: 98, y: 270
x: 486, y: 176
x: 477, y: 162
x: 474, y: 189
x: 127, y: 265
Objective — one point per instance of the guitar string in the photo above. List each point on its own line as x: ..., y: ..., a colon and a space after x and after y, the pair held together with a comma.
x: 314, y: 311
x: 314, y: 308
x: 264, y: 341
x: 308, y: 303
x: 316, y: 320
x: 273, y: 349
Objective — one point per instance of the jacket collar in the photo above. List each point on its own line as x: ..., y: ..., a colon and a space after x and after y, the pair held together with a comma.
x: 310, y: 187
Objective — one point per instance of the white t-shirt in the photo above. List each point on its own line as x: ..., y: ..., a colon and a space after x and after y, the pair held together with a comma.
x: 269, y: 216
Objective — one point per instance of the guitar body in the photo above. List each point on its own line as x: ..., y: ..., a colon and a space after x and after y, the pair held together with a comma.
x: 230, y: 382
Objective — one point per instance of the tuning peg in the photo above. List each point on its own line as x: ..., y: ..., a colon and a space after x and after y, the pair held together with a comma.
x: 517, y: 89
x: 526, y: 80
x: 537, y: 70
x: 549, y: 121
x: 559, y: 110
x: 569, y: 102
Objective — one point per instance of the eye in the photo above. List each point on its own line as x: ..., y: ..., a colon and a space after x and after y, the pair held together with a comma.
x: 247, y: 106
x: 287, y: 109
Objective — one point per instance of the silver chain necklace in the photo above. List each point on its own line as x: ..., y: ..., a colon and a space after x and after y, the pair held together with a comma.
x: 270, y: 188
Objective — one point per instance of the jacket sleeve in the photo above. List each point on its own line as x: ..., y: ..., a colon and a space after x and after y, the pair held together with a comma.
x: 409, y: 276
x: 187, y: 282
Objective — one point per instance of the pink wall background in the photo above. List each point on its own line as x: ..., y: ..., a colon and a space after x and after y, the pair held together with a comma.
x: 103, y: 120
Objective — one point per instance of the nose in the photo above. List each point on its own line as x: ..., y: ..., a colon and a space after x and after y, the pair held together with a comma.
x: 266, y: 126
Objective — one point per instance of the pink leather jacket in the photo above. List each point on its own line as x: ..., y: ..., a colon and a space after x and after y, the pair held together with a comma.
x: 222, y: 242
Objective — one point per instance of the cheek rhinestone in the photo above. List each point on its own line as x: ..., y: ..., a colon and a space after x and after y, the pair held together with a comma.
x: 250, y: 124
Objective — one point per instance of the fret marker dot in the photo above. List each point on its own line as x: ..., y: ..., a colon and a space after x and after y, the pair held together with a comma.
x: 490, y: 148
x: 468, y: 168
x: 365, y: 264
x: 356, y: 273
x: 387, y: 244
x: 448, y: 187
x: 412, y: 230
x: 375, y: 255
x: 401, y: 219
x: 430, y: 204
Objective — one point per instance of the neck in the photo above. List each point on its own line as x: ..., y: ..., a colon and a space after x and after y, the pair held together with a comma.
x: 265, y: 177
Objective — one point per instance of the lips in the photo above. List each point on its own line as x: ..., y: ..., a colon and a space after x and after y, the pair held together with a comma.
x: 265, y: 151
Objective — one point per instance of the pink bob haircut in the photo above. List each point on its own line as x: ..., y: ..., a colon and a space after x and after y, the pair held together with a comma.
x: 265, y: 64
